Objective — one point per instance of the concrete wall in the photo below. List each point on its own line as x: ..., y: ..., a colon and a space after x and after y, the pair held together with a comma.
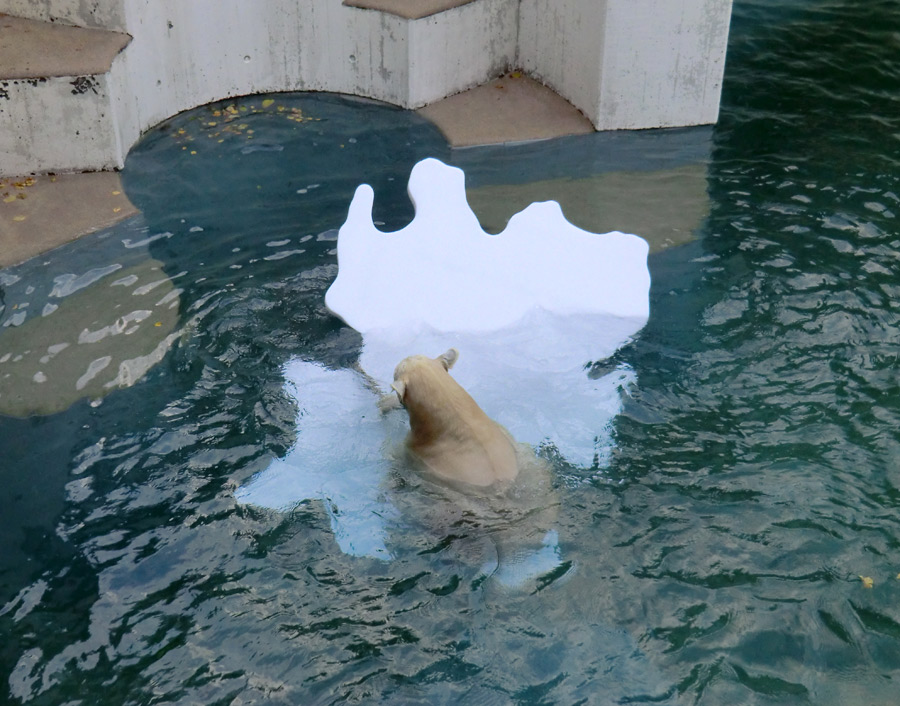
x: 561, y: 43
x: 186, y: 54
x: 624, y: 63
x: 460, y: 49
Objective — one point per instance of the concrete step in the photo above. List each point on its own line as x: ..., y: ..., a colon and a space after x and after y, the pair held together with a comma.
x: 98, y: 14
x: 55, y: 108
x: 36, y: 49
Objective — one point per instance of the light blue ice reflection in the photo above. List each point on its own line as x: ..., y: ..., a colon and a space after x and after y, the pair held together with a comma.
x: 340, y: 457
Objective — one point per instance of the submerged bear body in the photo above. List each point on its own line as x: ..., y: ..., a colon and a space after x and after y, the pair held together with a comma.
x: 471, y: 478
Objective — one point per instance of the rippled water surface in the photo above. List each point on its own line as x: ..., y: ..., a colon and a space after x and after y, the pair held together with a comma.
x: 741, y: 545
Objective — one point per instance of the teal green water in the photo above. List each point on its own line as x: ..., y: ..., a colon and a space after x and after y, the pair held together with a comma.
x: 756, y: 470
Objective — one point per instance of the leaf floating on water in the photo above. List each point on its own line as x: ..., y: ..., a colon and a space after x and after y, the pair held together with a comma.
x: 867, y: 581
x: 268, y: 102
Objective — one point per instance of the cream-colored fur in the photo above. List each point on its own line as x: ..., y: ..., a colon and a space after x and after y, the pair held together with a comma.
x: 449, y: 433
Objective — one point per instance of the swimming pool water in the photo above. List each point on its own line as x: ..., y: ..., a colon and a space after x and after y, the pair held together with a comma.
x: 719, y: 557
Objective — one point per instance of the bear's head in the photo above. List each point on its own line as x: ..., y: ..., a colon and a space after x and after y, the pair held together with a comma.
x: 415, y: 365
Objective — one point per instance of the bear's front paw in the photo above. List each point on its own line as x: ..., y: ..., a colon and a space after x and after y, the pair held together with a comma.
x: 388, y: 402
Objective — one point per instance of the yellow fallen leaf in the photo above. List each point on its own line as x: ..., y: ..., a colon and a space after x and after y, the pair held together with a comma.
x: 267, y: 102
x: 193, y: 151
x: 867, y: 581
x: 116, y: 210
x: 116, y: 193
x: 18, y: 219
x: 10, y: 199
x: 158, y: 323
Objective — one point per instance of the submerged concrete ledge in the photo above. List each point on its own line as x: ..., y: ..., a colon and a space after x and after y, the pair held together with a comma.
x: 512, y: 108
x: 43, y: 212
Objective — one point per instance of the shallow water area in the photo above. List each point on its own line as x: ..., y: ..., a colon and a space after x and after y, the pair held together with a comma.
x: 716, y: 555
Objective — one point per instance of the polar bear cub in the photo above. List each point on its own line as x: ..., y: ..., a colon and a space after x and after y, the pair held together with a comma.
x: 449, y: 433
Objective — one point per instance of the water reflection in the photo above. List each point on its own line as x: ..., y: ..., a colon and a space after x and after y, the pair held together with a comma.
x: 97, y: 331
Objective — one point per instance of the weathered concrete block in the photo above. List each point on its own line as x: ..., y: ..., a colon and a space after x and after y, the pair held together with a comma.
x: 57, y: 124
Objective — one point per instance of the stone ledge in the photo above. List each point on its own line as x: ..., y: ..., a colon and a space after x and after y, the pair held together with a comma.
x: 408, y: 9
x: 31, y: 49
x: 512, y: 108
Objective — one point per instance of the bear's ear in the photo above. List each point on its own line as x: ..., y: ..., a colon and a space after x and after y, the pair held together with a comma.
x: 449, y: 358
x: 399, y: 386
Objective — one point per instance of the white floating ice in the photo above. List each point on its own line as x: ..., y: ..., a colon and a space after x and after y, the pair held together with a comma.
x: 443, y: 271
x: 528, y: 309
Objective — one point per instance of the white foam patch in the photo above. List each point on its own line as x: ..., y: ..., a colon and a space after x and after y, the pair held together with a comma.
x: 529, y: 310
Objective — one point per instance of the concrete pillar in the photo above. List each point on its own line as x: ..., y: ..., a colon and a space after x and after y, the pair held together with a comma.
x: 629, y: 64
